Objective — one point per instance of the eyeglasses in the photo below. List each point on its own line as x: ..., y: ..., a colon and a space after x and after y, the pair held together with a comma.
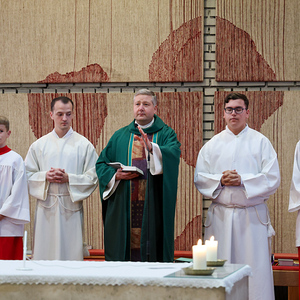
x: 238, y: 110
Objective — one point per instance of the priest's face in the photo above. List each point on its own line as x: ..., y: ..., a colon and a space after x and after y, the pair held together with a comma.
x: 62, y: 115
x: 236, y: 122
x: 143, y: 109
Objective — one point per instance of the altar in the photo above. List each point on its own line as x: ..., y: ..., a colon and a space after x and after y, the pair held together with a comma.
x: 118, y: 280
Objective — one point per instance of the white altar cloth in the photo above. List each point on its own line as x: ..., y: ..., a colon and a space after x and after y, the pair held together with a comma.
x: 118, y: 273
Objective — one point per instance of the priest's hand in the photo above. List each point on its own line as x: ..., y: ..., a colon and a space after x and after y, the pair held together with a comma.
x: 120, y: 175
x: 231, y: 178
x: 57, y: 175
x: 2, y: 217
x: 144, y: 140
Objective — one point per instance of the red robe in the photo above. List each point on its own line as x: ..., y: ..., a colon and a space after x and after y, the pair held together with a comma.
x: 11, y: 247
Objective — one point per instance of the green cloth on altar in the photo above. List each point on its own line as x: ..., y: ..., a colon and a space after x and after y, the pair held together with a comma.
x: 162, y: 194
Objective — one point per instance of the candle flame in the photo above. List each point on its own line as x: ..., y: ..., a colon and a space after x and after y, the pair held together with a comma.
x: 199, y: 242
x: 212, y: 238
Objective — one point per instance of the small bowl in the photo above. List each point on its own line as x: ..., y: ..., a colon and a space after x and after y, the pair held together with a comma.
x: 217, y: 263
x: 191, y: 271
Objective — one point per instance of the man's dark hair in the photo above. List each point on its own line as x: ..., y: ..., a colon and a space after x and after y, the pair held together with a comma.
x: 63, y: 99
x: 235, y: 96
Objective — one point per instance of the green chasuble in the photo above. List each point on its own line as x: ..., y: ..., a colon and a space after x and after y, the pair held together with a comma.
x: 162, y: 196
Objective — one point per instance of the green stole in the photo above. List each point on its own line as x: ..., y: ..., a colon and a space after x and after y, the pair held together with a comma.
x: 137, y: 157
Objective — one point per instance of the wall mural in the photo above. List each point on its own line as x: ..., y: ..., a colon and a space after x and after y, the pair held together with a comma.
x: 98, y: 41
x: 257, y: 40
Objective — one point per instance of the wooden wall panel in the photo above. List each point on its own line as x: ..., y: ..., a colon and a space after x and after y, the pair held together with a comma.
x: 274, y: 114
x: 98, y: 116
x: 98, y: 41
x: 257, y: 40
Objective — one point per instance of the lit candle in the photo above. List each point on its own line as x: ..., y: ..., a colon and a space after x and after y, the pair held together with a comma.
x: 212, y: 249
x: 199, y: 256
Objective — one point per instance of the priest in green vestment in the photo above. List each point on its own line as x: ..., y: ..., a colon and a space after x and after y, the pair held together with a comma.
x: 139, y: 210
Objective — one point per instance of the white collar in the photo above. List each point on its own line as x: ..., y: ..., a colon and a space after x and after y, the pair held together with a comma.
x: 240, y: 133
x: 70, y: 131
x: 147, y: 125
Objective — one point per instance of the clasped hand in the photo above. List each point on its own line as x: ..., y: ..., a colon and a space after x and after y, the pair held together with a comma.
x: 231, y: 178
x: 57, y: 175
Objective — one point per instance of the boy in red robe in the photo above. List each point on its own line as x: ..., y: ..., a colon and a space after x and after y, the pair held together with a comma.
x: 14, y: 202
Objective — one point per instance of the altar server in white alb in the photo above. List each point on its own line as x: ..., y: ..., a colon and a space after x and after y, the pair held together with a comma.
x: 14, y: 202
x: 238, y: 170
x: 294, y: 203
x: 61, y: 174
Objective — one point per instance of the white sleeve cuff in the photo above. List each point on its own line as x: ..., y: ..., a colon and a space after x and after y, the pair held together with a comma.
x: 156, y: 165
x: 111, y: 187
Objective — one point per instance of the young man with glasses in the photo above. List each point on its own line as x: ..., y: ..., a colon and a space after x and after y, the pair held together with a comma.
x: 238, y: 170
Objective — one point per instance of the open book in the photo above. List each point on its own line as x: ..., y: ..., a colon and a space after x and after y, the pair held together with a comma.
x: 118, y: 165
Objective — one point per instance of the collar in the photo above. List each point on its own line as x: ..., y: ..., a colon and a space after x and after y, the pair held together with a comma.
x: 145, y: 126
x: 4, y: 150
x: 240, y: 133
x: 66, y: 135
x: 156, y: 126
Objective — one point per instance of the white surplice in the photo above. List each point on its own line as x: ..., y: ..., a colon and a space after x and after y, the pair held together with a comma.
x: 294, y: 202
x: 238, y: 216
x: 59, y: 215
x: 14, y: 202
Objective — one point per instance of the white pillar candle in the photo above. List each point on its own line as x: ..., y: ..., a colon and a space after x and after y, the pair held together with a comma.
x: 199, y: 256
x: 212, y: 249
x: 24, y: 248
x: 24, y: 253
